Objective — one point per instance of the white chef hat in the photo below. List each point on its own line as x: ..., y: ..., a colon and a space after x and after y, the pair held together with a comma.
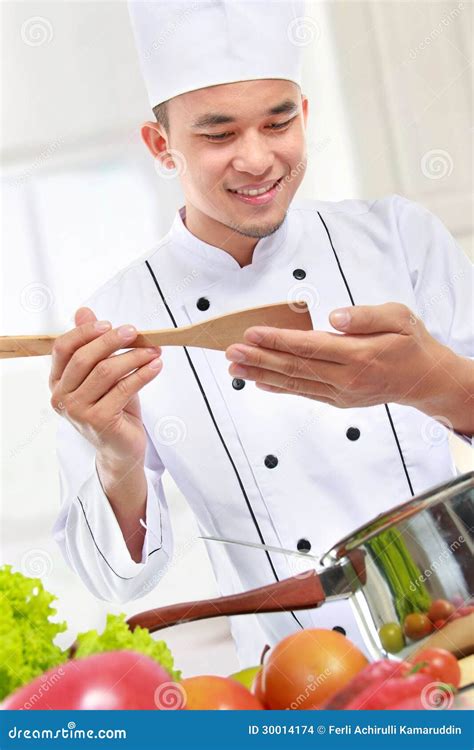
x: 184, y: 45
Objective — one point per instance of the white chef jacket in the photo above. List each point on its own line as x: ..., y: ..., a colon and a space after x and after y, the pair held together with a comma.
x: 336, y: 468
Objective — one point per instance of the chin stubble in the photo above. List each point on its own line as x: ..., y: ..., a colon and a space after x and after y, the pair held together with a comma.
x: 257, y: 232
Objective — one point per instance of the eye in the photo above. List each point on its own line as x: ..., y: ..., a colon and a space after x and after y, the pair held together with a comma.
x: 272, y: 126
x: 218, y: 137
x: 281, y: 125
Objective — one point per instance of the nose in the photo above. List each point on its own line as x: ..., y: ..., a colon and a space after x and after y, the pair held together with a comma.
x: 253, y: 155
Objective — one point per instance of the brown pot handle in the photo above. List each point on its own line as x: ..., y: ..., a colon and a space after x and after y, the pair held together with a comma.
x: 303, y: 591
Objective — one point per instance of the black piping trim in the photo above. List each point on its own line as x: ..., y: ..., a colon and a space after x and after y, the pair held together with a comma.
x: 154, y: 550
x: 100, y: 551
x: 157, y: 549
x: 193, y: 369
x: 399, y: 449
x: 386, y: 406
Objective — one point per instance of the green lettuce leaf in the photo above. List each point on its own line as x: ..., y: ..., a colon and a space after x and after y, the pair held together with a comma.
x: 26, y: 632
x: 117, y: 636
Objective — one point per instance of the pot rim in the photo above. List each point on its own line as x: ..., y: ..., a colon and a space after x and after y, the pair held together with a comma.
x: 401, y: 512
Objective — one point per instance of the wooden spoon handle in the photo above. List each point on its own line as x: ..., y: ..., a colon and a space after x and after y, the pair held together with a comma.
x: 303, y: 591
x: 26, y: 346
x: 213, y: 333
x: 36, y: 346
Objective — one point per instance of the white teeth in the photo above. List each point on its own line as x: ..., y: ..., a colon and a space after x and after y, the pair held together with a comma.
x: 259, y: 191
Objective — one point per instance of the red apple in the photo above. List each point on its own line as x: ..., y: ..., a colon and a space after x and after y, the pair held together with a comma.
x: 210, y: 692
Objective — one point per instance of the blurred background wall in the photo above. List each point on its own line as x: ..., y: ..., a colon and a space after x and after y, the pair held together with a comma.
x: 389, y: 87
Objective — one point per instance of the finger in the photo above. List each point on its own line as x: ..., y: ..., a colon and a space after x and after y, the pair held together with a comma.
x: 391, y: 317
x: 119, y: 396
x: 287, y: 364
x: 109, y: 371
x: 293, y: 384
x: 84, y: 315
x: 313, y: 395
x: 86, y: 357
x: 65, y: 346
x: 323, y: 345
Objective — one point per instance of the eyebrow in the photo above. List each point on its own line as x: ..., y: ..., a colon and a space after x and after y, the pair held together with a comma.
x: 215, y: 118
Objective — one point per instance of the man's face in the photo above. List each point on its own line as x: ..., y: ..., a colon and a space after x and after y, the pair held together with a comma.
x: 229, y: 139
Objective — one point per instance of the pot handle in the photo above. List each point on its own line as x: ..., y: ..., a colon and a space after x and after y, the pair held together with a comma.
x: 302, y: 591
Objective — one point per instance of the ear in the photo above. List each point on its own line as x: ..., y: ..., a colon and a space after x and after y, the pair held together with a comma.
x: 154, y: 138
x: 305, y: 106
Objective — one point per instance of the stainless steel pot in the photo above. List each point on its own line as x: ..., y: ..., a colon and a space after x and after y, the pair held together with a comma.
x: 413, y: 554
x: 392, y: 567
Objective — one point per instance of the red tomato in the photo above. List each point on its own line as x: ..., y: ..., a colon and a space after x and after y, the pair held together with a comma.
x: 416, y: 626
x: 308, y: 667
x: 466, y: 610
x: 440, y: 609
x: 440, y: 664
x: 114, y: 680
x: 209, y: 692
x: 438, y: 624
x: 412, y: 703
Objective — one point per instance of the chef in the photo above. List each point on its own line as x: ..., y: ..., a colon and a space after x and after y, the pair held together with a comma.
x: 289, y: 439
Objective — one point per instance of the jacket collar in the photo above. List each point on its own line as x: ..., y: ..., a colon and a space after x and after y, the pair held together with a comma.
x: 216, y: 258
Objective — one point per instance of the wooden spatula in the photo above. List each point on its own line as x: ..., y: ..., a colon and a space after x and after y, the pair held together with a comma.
x: 213, y: 333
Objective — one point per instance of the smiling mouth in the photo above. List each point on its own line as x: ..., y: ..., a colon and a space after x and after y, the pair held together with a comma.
x: 256, y: 191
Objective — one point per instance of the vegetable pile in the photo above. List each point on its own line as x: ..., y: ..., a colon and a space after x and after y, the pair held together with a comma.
x: 428, y: 682
x: 124, y: 670
x: 27, y: 634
